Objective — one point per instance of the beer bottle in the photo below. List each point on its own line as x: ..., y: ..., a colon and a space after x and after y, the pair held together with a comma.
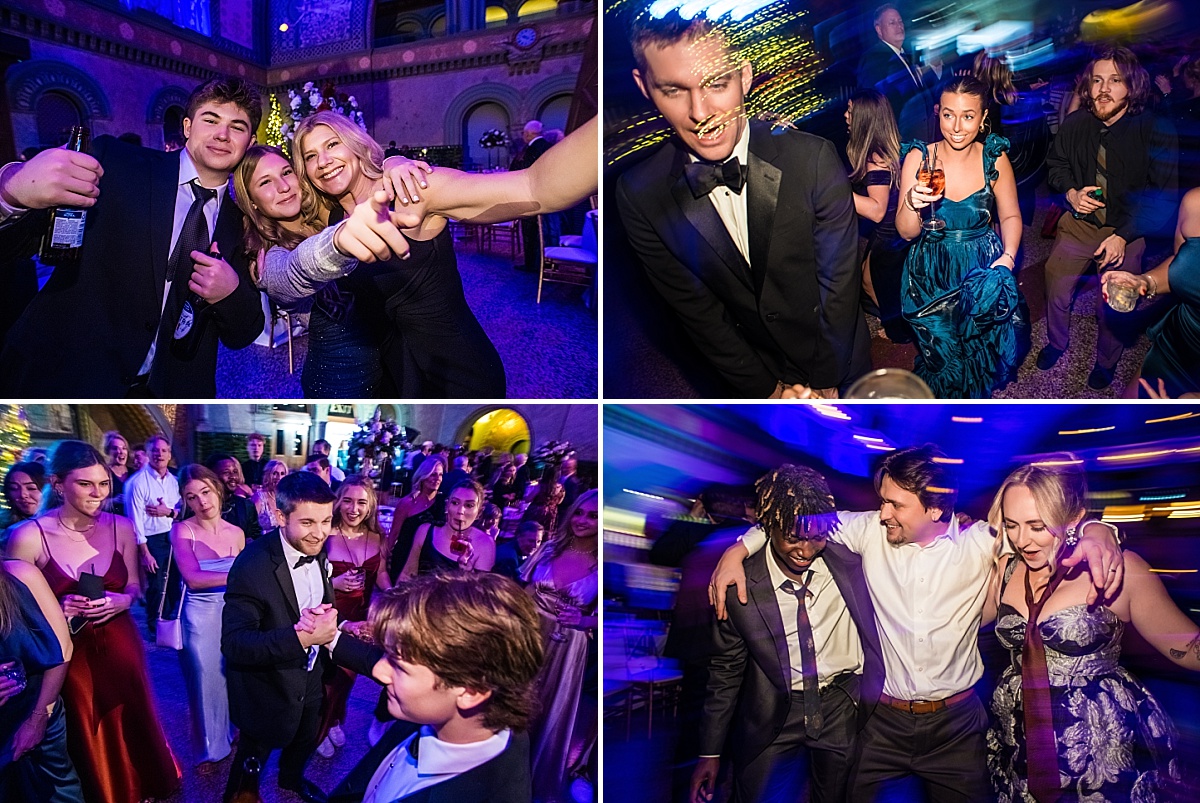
x: 193, y: 318
x: 62, y: 243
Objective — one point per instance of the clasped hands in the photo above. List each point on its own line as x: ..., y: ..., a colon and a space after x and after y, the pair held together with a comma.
x: 317, y: 626
x: 799, y: 391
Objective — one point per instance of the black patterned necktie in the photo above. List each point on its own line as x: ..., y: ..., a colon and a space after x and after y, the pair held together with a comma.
x: 194, y: 234
x: 704, y: 177
x: 1102, y: 175
x: 808, y: 656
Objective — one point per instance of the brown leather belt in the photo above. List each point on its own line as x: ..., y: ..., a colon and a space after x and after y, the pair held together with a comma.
x: 925, y: 706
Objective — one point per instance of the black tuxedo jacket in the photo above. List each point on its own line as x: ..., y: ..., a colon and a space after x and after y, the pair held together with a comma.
x: 792, y: 313
x: 534, y: 151
x: 749, y: 679
x: 881, y: 69
x: 264, y: 662
x: 504, y: 779
x: 97, y: 320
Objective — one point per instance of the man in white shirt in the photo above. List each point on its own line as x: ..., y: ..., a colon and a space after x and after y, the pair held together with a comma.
x: 788, y: 718
x: 279, y: 637
x: 151, y: 500
x: 928, y: 580
x: 324, y: 447
x: 462, y: 653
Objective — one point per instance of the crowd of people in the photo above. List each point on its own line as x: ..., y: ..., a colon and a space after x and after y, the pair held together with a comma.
x: 332, y: 228
x: 845, y: 660
x: 943, y: 159
x: 279, y: 588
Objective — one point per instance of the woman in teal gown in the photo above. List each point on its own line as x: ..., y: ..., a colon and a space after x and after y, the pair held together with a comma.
x: 959, y: 292
x: 1174, y: 356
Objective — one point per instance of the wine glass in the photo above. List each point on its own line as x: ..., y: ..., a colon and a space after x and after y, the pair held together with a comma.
x: 562, y: 601
x: 889, y: 383
x: 932, y: 175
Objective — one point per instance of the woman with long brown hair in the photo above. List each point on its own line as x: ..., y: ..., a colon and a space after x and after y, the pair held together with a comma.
x: 204, y: 547
x: 874, y: 153
x: 113, y: 729
x: 358, y: 555
x: 263, y: 497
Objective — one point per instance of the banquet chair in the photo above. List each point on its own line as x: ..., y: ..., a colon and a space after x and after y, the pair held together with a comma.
x: 645, y: 678
x: 279, y: 314
x: 564, y: 264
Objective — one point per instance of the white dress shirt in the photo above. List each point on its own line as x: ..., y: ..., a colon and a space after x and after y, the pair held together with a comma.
x: 308, y: 585
x: 835, y: 636
x: 731, y: 206
x: 928, y: 602
x: 145, y: 487
x: 184, y: 198
x: 399, y: 774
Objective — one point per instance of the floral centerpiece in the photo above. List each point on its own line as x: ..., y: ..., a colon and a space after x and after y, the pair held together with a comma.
x: 492, y: 139
x: 376, y: 441
x: 310, y: 100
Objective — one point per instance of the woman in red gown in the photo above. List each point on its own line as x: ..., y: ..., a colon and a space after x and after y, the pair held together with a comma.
x: 357, y: 554
x: 113, y: 732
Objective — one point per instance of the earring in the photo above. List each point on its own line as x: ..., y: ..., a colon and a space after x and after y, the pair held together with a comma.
x: 1072, y: 538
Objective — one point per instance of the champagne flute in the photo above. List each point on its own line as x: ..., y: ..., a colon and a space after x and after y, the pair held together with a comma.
x: 933, y: 176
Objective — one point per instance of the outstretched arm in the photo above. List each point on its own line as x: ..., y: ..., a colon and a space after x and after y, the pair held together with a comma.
x: 561, y: 178
x: 1157, y: 617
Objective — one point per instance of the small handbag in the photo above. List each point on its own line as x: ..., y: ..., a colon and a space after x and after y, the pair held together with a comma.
x: 169, y: 632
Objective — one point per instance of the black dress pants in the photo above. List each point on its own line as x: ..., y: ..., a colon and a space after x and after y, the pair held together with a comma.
x: 293, y: 759
x: 945, y: 749
x: 794, y: 763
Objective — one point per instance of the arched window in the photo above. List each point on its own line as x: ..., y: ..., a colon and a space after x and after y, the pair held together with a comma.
x: 495, y: 16
x: 173, y: 123
x: 408, y: 30
x: 57, y: 112
x: 484, y: 117
x: 438, y: 26
x: 537, y: 8
x: 554, y: 112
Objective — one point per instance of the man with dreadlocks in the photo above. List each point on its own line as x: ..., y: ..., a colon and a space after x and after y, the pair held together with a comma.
x: 789, y: 669
x: 928, y: 580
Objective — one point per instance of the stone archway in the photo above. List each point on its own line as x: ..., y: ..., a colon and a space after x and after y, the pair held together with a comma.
x: 29, y: 81
x: 468, y: 99
x: 156, y: 111
x: 546, y: 90
x: 505, y: 429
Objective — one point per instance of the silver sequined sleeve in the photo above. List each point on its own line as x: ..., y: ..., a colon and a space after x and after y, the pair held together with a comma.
x: 290, y: 277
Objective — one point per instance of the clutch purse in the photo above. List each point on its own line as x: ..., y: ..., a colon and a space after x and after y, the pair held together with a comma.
x: 169, y: 632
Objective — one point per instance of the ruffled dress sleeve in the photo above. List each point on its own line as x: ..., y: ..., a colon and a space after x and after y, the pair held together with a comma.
x: 993, y: 146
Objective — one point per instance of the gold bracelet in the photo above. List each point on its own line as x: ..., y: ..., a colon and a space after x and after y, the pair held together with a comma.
x: 908, y: 202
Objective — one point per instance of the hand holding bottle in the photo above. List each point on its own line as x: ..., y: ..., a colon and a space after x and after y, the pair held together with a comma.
x: 213, y: 279
x: 55, y: 177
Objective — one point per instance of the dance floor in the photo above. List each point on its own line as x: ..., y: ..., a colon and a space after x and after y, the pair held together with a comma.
x: 548, y: 349
x: 650, y: 360
x: 170, y: 694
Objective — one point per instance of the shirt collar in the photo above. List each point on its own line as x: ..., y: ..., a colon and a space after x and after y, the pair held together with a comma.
x: 895, y: 50
x: 187, y: 173
x: 777, y: 576
x: 290, y: 553
x: 435, y: 757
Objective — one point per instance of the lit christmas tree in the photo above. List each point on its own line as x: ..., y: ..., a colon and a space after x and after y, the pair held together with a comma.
x: 14, y: 438
x: 275, y: 125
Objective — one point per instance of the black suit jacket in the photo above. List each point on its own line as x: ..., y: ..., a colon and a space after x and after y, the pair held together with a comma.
x: 749, y: 679
x: 504, y: 779
x: 881, y: 69
x: 264, y: 662
x: 534, y: 151
x: 98, y: 319
x: 252, y: 470
x: 792, y: 313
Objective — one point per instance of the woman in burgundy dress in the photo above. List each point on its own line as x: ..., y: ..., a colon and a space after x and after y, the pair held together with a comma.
x: 358, y: 555
x: 113, y: 731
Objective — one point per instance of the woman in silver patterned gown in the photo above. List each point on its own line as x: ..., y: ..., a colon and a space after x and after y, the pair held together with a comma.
x: 1114, y: 740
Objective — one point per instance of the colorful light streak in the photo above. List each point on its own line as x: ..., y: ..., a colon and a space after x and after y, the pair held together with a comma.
x: 644, y: 494
x: 1179, y: 417
x: 1085, y: 431
x: 958, y: 419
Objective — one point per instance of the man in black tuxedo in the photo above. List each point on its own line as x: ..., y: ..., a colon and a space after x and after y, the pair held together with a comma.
x: 279, y: 634
x: 535, y: 146
x: 757, y: 254
x: 790, y: 678
x: 109, y: 321
x: 883, y: 67
x: 462, y: 654
x: 252, y: 469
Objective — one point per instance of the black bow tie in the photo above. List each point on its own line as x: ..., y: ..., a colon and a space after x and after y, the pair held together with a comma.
x: 303, y: 559
x: 704, y: 177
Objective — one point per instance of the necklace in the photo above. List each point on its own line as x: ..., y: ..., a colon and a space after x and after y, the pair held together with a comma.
x: 84, y: 532
x: 354, y: 560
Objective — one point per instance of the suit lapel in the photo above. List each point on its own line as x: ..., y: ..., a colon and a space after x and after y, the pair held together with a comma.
x: 283, y: 575
x: 164, y: 187
x: 762, y: 184
x: 703, y: 216
x: 326, y: 584
x: 758, y: 583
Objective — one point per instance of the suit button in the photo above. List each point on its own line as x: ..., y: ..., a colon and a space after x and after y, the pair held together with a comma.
x: 771, y: 316
x: 149, y: 326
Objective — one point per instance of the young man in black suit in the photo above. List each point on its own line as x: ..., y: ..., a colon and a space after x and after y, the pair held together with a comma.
x: 802, y: 677
x: 462, y: 653
x: 748, y: 233
x: 280, y: 639
x: 252, y: 469
x: 883, y: 67
x: 110, y: 320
